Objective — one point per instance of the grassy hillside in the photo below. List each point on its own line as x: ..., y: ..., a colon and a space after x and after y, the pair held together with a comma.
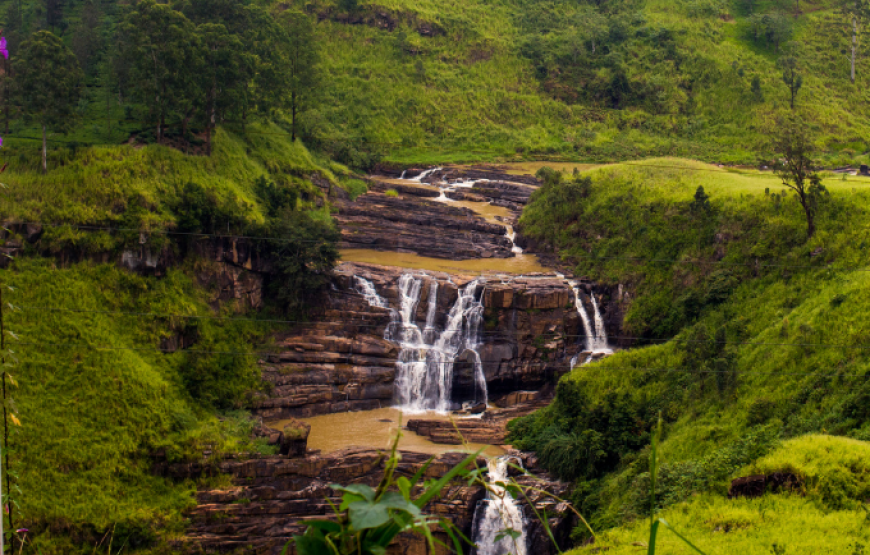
x: 754, y: 334
x: 519, y: 79
x: 97, y: 398
x: 100, y: 393
x: 828, y: 515
x: 426, y: 82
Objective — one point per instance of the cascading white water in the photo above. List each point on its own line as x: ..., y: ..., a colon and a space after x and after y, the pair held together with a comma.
x: 424, y: 370
x: 512, y: 235
x: 423, y: 175
x: 449, y: 188
x: 600, y: 344
x: 581, y: 310
x: 497, y: 513
x: 595, y: 338
x: 430, y: 333
x: 367, y: 289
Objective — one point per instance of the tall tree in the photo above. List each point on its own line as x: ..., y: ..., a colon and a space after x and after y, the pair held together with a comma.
x: 266, y: 41
x: 790, y: 76
x: 303, y: 57
x: 793, y: 149
x: 49, y: 84
x: 162, y: 55
x: 53, y: 10
x: 225, y: 74
x: 87, y: 39
x: 856, y: 13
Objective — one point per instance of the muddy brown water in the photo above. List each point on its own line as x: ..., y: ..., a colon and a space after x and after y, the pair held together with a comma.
x: 520, y: 264
x: 376, y: 429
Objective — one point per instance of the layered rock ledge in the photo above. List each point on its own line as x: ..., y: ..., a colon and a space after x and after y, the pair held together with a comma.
x: 414, y: 224
x: 341, y: 361
x: 271, y: 497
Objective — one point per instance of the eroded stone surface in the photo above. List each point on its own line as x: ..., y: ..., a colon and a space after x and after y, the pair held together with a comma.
x: 271, y: 498
x: 342, y: 362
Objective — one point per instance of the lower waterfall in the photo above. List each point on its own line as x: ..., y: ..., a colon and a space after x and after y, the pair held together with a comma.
x: 497, y: 513
x: 424, y: 371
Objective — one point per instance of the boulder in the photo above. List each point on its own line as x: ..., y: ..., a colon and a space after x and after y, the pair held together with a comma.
x: 295, y: 440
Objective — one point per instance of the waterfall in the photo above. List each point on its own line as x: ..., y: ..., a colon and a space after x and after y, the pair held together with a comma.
x: 449, y: 188
x: 581, y: 310
x: 424, y: 370
x: 600, y: 345
x: 498, y: 512
x: 430, y: 332
x: 596, y: 338
x: 512, y: 235
x: 423, y: 175
x: 367, y: 289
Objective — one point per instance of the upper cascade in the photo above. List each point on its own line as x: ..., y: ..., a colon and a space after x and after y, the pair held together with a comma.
x: 450, y: 187
x: 424, y: 376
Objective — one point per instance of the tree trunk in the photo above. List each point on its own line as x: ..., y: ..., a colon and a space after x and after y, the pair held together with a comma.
x: 210, y: 119
x: 811, y: 221
x: 293, y: 125
x: 854, y: 44
x: 108, y: 110
x: 44, y: 151
x: 6, y: 94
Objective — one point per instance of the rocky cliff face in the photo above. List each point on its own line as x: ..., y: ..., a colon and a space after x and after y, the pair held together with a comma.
x: 272, y: 496
x: 410, y: 223
x: 342, y: 362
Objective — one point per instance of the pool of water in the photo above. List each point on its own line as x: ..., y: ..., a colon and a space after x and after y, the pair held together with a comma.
x: 376, y: 429
x: 520, y: 264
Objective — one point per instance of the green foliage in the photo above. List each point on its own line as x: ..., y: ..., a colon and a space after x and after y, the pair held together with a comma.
x: 755, y: 89
x: 98, y: 396
x: 790, y: 76
x: 834, y: 471
x: 797, y: 169
x: 581, y: 436
x: 762, y: 344
x: 369, y: 519
x: 48, y: 81
x: 302, y: 58
x: 773, y: 29
x: 391, y: 193
x: 276, y: 198
x: 162, y: 57
x: 302, y: 247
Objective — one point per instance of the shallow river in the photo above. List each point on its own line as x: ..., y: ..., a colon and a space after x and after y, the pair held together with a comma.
x: 375, y: 429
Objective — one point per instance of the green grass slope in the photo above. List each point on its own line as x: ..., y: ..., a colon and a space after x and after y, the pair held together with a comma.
x: 433, y: 82
x: 827, y: 516
x: 97, y: 398
x: 500, y: 82
x: 99, y: 394
x: 752, y: 334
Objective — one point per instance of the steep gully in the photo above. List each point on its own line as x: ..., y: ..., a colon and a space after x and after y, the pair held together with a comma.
x: 427, y: 342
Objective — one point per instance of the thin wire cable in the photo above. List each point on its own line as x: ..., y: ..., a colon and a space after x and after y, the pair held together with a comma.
x: 485, y: 333
x: 725, y: 263
x: 550, y: 366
